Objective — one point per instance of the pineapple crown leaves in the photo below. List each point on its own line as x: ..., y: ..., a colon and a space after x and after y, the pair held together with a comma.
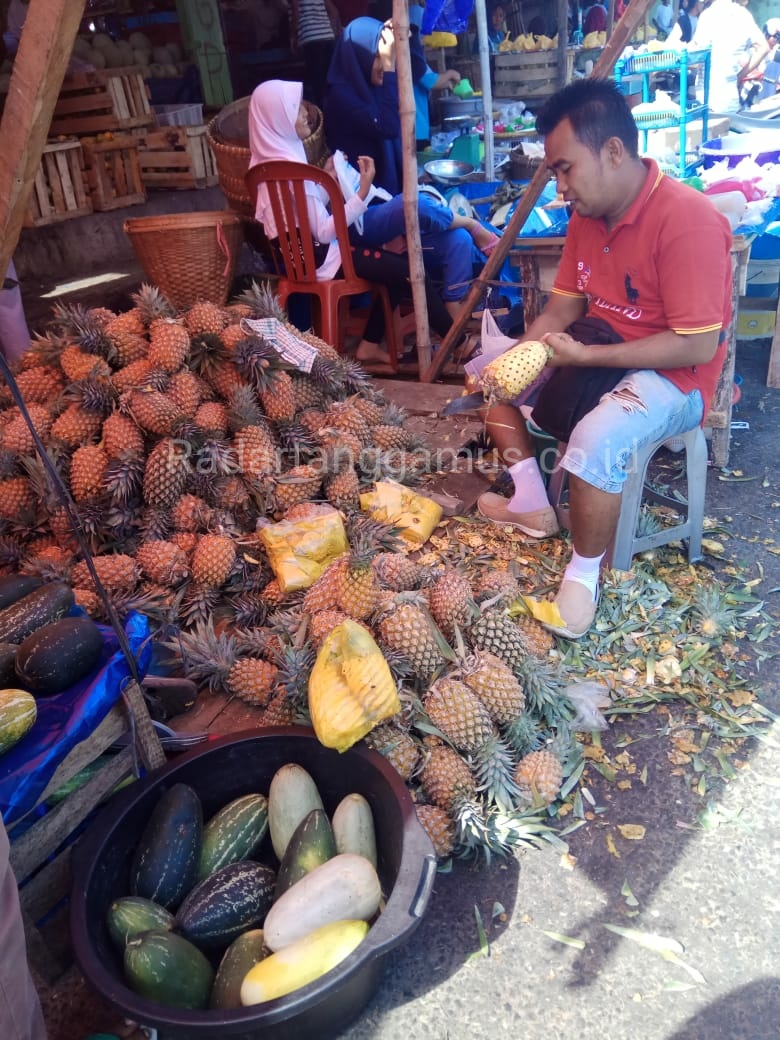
x: 93, y: 395
x: 197, y: 604
x: 364, y: 531
x: 207, y: 353
x: 152, y: 303
x: 206, y: 656
x: 544, y: 688
x: 12, y: 553
x: 394, y: 415
x: 400, y: 666
x: 352, y: 375
x: 72, y: 320
x: 263, y: 301
x: 249, y: 610
x: 390, y: 464
x: 524, y: 734
x: 251, y: 641
x: 123, y: 478
x: 244, y: 410
x: 493, y: 767
x: 296, y: 441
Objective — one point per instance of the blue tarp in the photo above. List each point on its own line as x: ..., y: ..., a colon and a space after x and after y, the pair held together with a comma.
x: 67, y: 718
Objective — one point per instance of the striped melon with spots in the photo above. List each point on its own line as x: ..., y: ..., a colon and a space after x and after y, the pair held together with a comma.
x: 18, y: 712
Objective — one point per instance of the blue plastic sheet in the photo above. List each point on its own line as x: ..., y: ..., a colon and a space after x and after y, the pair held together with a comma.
x: 446, y: 16
x: 67, y: 718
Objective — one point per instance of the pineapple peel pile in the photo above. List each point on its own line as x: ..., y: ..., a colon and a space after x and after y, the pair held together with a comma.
x: 510, y: 373
x: 351, y: 687
x: 300, y: 551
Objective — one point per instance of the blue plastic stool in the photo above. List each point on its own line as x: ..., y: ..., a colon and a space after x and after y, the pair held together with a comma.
x: 626, y: 544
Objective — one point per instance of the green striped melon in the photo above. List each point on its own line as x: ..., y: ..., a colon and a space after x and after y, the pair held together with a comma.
x: 233, y: 834
x: 18, y: 712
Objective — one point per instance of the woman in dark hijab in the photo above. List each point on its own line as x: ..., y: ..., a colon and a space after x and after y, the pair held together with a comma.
x: 360, y: 105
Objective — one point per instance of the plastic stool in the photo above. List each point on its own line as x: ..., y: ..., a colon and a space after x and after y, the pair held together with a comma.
x: 626, y: 544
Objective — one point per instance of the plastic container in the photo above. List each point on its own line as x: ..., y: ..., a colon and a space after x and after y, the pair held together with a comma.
x: 762, y: 146
x: 178, y: 115
x: 226, y: 769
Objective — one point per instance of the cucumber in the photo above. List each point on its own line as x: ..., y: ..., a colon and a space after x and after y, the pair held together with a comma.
x: 243, y: 954
x: 229, y: 902
x: 7, y: 664
x: 13, y: 587
x: 291, y: 797
x: 165, y: 865
x: 18, y: 712
x: 353, y: 827
x: 302, y: 962
x: 311, y: 845
x: 33, y: 611
x: 161, y: 966
x: 234, y: 833
x: 344, y: 888
x: 131, y: 915
x: 59, y: 654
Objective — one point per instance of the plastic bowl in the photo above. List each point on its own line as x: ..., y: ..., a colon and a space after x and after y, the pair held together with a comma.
x: 448, y: 171
x: 226, y: 769
x: 762, y: 146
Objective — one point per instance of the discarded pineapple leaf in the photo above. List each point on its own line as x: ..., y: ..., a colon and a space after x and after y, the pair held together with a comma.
x: 611, y: 848
x: 606, y: 771
x: 628, y: 895
x: 643, y: 775
x: 695, y: 974
x: 484, y: 945
x: 677, y: 986
x: 663, y: 944
x: 567, y: 940
x: 544, y: 611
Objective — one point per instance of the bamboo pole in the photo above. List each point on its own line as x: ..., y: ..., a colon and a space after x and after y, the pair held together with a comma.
x: 563, y: 40
x: 634, y: 14
x: 44, y: 52
x: 407, y: 111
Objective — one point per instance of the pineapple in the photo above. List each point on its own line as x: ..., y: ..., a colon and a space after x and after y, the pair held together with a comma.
x: 76, y: 426
x: 204, y: 317
x: 343, y: 416
x: 16, y: 498
x: 372, y: 412
x: 150, y: 304
x: 213, y: 559
x: 169, y: 344
x: 711, y: 616
x: 87, y: 470
x: 537, y: 640
x: 409, y: 629
x: 495, y: 684
x: 117, y: 572
x: 186, y: 541
x: 396, y: 571
x: 78, y: 365
x: 298, y: 484
x: 165, y: 474
x: 342, y: 484
x: 216, y: 661
x: 466, y: 722
x: 307, y: 392
x: 185, y: 390
x: 152, y: 411
x: 256, y: 450
x: 324, y: 593
x: 163, y: 562
x: 17, y: 436
x: 451, y: 603
x: 446, y: 779
x: 358, y: 593
x: 493, y: 583
x: 280, y: 711
x: 212, y: 416
x: 191, y: 513
x: 89, y: 602
x: 539, y: 776
x: 390, y: 432
x: 439, y: 827
x: 121, y: 435
x: 395, y: 744
x: 39, y: 384
x: 252, y: 680
x: 133, y: 375
x: 505, y: 377
x: 496, y: 633
x: 123, y: 478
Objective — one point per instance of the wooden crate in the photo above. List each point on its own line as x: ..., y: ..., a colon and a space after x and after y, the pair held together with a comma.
x: 106, y: 99
x: 530, y: 74
x: 59, y: 190
x: 177, y: 157
x: 41, y: 855
x: 113, y: 173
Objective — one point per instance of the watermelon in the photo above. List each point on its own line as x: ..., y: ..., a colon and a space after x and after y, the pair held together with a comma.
x: 18, y: 712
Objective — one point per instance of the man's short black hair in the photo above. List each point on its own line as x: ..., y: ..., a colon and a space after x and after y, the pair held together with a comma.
x: 596, y: 110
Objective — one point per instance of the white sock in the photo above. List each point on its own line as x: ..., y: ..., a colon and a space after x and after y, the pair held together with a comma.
x: 585, y: 570
x: 530, y: 492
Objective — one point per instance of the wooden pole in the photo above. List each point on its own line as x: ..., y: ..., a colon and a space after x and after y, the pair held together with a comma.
x: 44, y: 52
x: 487, y: 89
x: 407, y: 111
x: 634, y: 14
x: 563, y: 40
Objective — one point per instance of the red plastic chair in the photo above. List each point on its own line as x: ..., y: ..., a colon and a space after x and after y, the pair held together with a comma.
x: 286, y: 188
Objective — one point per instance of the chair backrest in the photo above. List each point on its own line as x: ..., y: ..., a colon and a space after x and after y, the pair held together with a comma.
x: 286, y: 183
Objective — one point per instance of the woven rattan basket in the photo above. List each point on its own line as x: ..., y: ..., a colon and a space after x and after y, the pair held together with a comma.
x: 228, y: 135
x: 189, y: 256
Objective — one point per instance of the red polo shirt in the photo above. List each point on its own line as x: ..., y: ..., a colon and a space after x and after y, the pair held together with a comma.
x: 665, y: 265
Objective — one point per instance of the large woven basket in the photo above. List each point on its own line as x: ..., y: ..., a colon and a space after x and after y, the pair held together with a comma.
x: 189, y: 256
x: 228, y: 135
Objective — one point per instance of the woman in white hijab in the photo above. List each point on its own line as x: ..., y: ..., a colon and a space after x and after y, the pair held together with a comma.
x: 278, y: 124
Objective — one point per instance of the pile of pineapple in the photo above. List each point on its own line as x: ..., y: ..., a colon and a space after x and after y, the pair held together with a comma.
x: 177, y: 436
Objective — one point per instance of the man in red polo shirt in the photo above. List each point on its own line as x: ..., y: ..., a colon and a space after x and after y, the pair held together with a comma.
x: 651, y: 257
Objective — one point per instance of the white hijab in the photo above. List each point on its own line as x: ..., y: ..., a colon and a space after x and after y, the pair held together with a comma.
x: 273, y: 111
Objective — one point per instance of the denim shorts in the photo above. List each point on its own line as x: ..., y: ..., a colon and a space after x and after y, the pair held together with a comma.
x: 644, y: 407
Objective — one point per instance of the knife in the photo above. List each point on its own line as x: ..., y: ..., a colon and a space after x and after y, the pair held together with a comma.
x: 467, y: 403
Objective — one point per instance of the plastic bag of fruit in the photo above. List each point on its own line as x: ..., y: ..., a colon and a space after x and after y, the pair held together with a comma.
x: 299, y: 551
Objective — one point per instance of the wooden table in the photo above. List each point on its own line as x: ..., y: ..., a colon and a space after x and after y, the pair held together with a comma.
x: 537, y: 261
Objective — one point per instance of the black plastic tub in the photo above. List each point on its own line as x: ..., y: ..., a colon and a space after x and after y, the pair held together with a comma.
x: 225, y: 769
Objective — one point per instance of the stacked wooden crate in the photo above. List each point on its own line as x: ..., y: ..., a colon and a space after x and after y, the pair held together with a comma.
x: 176, y: 157
x: 100, y: 101
x: 59, y: 189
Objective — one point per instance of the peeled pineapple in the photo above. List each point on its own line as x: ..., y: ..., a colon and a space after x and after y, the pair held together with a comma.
x: 351, y: 688
x: 514, y: 370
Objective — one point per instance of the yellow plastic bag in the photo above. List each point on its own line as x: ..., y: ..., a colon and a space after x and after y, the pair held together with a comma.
x: 300, y: 551
x: 394, y: 504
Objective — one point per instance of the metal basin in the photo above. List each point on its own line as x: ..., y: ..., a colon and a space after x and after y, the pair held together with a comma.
x: 448, y: 171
